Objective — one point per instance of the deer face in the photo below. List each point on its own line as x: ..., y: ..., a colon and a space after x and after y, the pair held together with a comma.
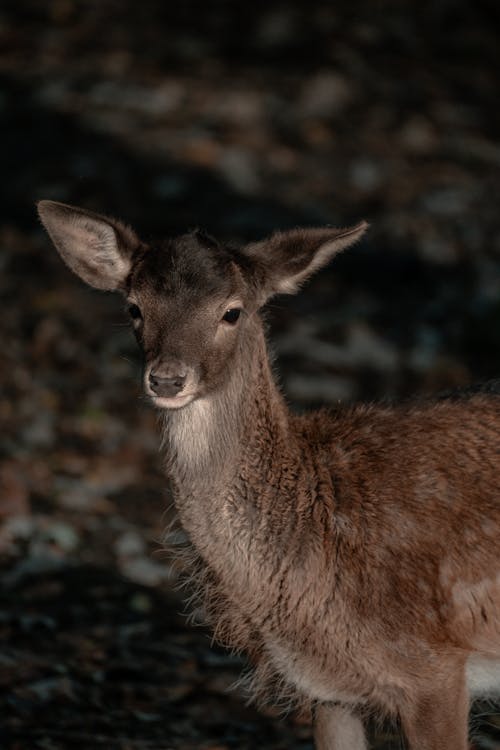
x: 190, y: 299
x: 188, y: 303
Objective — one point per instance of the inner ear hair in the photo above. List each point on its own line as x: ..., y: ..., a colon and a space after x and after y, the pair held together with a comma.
x: 97, y: 248
x: 284, y: 261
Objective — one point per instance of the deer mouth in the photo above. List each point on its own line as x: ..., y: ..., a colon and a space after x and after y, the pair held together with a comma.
x: 172, y: 402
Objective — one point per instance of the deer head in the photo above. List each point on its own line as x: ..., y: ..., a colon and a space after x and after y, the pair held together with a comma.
x: 190, y: 299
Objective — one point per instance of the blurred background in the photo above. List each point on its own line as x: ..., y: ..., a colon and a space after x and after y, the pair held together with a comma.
x: 239, y: 118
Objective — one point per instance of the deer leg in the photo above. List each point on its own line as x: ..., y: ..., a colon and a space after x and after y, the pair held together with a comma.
x: 438, y: 719
x: 336, y: 728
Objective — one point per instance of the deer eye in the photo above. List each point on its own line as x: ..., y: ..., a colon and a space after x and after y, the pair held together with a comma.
x: 134, y: 312
x: 231, y: 315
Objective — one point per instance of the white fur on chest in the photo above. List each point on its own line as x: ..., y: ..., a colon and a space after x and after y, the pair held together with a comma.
x: 203, y: 436
x: 483, y: 677
x: 190, y: 432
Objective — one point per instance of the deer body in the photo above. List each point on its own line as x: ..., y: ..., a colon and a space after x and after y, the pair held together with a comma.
x: 303, y: 546
x: 354, y: 555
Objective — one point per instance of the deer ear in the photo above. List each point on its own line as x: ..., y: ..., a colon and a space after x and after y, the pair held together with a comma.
x: 96, y: 248
x: 284, y: 261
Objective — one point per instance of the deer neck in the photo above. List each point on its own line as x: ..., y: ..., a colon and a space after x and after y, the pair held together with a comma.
x: 207, y: 440
x: 227, y: 456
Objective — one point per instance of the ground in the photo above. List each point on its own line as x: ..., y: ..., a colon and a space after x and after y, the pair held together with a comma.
x: 238, y: 118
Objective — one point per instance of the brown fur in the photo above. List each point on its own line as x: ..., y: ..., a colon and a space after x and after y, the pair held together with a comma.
x: 353, y: 554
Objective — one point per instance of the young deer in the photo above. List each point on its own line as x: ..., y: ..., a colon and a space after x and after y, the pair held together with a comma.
x: 354, y: 555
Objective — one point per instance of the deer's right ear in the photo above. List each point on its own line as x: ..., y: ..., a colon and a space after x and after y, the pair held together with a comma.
x: 96, y: 248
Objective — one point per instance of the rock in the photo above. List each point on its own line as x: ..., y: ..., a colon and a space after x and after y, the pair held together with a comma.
x: 55, y: 536
x: 418, y: 136
x: 145, y: 571
x: 40, y: 432
x: 449, y: 201
x: 130, y: 544
x: 325, y: 95
x: 238, y: 167
x: 365, y: 175
x: 363, y: 348
x: 309, y: 388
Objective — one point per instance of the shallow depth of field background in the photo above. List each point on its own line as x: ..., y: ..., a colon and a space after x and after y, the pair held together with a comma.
x: 238, y: 118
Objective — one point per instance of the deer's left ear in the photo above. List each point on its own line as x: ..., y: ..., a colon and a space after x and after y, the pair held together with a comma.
x: 97, y: 248
x: 282, y: 263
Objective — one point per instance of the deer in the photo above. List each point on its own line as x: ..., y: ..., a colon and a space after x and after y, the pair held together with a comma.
x: 353, y: 552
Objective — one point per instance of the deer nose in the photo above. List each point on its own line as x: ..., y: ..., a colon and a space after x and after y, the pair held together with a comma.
x: 166, y: 386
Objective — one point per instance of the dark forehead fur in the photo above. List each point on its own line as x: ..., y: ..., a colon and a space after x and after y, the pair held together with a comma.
x: 194, y: 263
